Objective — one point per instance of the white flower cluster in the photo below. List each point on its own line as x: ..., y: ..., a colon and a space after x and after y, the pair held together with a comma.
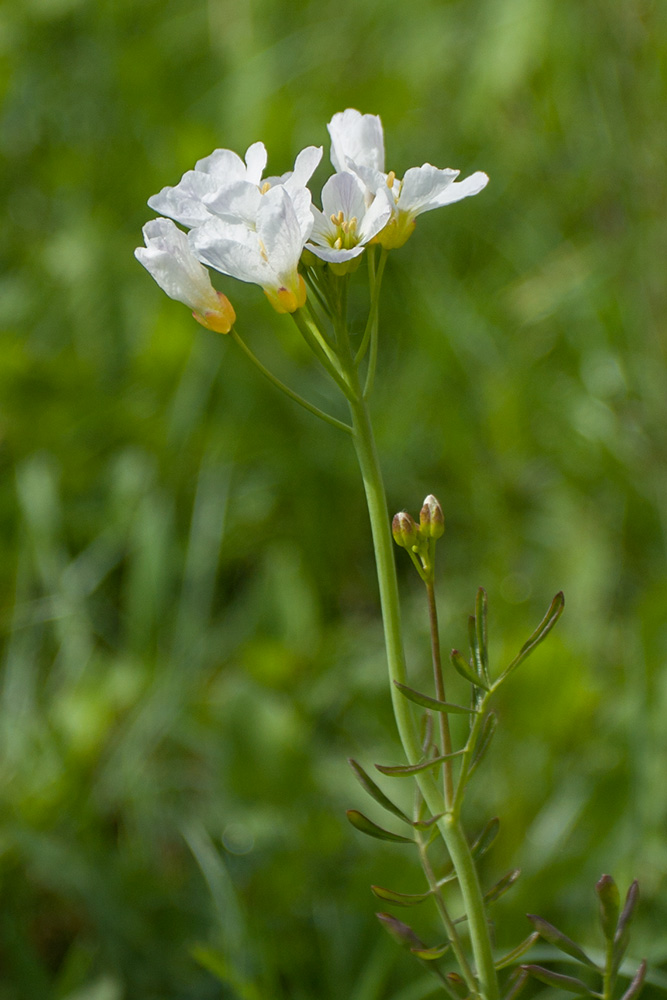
x: 256, y: 228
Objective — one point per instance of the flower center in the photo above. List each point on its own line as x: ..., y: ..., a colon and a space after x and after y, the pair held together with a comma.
x: 345, y: 236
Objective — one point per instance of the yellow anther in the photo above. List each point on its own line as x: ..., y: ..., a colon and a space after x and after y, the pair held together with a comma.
x: 391, y: 177
x: 338, y: 244
x: 265, y: 187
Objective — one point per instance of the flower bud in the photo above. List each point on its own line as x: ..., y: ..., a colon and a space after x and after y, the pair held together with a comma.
x: 431, y: 518
x: 404, y: 530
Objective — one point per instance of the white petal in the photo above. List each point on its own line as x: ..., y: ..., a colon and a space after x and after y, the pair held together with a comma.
x: 255, y: 158
x: 358, y: 138
x: 323, y: 232
x: 223, y: 164
x: 231, y: 249
x: 344, y: 193
x: 305, y: 165
x: 184, y: 202
x: 280, y: 233
x: 302, y: 203
x: 377, y: 216
x: 462, y: 189
x: 333, y: 256
x: 236, y: 202
x: 422, y: 186
x: 169, y: 259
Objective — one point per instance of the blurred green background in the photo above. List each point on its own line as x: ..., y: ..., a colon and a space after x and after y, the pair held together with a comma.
x: 192, y: 640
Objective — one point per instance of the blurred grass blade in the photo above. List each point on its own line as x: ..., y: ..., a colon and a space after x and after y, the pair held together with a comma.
x: 517, y: 981
x: 462, y: 667
x: 622, y: 936
x: 502, y: 886
x: 516, y: 953
x: 375, y: 792
x: 371, y: 829
x: 486, y: 838
x: 426, y: 701
x: 559, y: 940
x: 634, y: 989
x: 407, y: 770
x: 560, y: 982
x: 400, y: 898
x: 540, y: 633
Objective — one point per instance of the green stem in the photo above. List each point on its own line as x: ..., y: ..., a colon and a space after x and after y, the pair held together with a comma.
x: 286, y: 389
x: 449, y: 825
x: 373, y: 320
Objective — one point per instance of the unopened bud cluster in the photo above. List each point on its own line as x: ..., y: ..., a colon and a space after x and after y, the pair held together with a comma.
x: 419, y: 539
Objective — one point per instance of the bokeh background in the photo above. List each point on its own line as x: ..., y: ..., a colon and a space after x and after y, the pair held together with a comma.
x: 192, y: 644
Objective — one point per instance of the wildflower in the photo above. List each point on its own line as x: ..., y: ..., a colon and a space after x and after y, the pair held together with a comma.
x: 223, y: 184
x: 345, y: 224
x: 266, y: 255
x: 357, y: 145
x: 168, y: 258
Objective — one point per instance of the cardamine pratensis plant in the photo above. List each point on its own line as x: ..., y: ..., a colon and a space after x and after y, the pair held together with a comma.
x: 266, y: 230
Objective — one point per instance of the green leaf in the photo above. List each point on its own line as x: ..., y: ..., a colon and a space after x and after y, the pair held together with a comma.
x: 486, y: 838
x: 462, y: 667
x: 610, y: 905
x: 559, y: 940
x: 407, y: 770
x: 431, y: 954
x: 426, y: 824
x: 622, y: 936
x: 635, y: 986
x: 488, y: 729
x: 366, y: 826
x: 427, y: 702
x: 400, y: 898
x: 568, y: 983
x: 481, y: 609
x: 502, y: 886
x: 375, y: 792
x: 401, y: 932
x: 515, y: 954
x: 540, y: 633
x: 516, y: 983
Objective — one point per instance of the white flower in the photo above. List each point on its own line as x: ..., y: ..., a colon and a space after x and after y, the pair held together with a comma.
x: 344, y: 226
x: 266, y: 255
x: 357, y: 145
x: 168, y: 258
x: 222, y: 184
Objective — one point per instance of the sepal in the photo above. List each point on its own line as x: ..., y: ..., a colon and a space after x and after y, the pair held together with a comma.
x: 365, y: 825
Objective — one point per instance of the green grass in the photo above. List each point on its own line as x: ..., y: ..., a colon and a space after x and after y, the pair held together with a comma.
x: 187, y: 594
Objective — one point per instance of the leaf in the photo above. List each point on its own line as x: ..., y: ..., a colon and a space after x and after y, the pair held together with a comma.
x: 366, y: 826
x: 512, y: 956
x: 488, y: 729
x: 502, y: 886
x: 559, y: 940
x: 516, y: 983
x: 431, y: 954
x: 635, y: 986
x: 475, y: 649
x: 481, y: 608
x: 458, y: 985
x: 400, y: 898
x: 401, y: 932
x: 540, y: 633
x: 610, y: 905
x: 462, y: 667
x: 561, y: 982
x: 486, y: 838
x: 375, y: 792
x: 426, y: 824
x: 427, y: 732
x: 622, y: 936
x: 407, y: 770
x: 426, y: 701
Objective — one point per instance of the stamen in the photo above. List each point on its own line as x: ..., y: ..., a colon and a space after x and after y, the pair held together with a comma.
x: 265, y: 187
x: 391, y: 177
x: 338, y: 244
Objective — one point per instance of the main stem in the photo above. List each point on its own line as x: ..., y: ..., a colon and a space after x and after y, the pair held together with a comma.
x: 449, y: 824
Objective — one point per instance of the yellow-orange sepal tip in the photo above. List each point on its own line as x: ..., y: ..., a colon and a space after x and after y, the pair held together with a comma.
x: 221, y: 319
x: 285, y: 300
